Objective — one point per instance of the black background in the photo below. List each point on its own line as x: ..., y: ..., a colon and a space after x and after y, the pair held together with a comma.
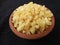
x: 7, y: 37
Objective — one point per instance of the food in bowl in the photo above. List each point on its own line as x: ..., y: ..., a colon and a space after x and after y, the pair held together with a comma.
x: 31, y: 18
x: 31, y: 21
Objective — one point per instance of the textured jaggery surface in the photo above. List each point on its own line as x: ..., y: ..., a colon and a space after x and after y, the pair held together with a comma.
x: 34, y: 36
